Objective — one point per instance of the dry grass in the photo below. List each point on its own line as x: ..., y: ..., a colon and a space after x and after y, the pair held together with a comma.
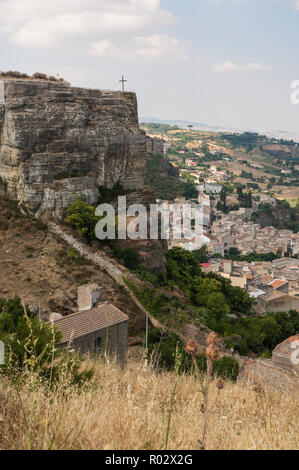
x: 129, y: 409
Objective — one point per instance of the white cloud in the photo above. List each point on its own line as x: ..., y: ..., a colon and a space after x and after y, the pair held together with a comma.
x: 228, y: 66
x: 125, y: 27
x: 141, y: 47
x: 156, y: 45
x: 101, y: 48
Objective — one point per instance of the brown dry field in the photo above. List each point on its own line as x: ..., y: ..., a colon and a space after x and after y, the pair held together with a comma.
x: 290, y: 193
x: 128, y: 409
x: 287, y: 192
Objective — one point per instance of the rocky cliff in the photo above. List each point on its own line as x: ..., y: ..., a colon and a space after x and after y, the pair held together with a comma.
x: 154, y: 145
x: 58, y: 142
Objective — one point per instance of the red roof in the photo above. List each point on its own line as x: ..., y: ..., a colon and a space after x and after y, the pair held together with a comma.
x: 205, y: 265
x: 277, y: 283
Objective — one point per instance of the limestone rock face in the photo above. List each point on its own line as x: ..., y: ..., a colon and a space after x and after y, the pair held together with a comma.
x: 154, y: 145
x: 59, y: 142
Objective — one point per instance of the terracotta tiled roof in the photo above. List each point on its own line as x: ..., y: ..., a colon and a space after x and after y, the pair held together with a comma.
x: 86, y: 321
x: 285, y: 346
x: 265, y: 279
x: 277, y: 283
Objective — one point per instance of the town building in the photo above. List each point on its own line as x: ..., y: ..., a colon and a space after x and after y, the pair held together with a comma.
x: 212, y: 188
x: 97, y: 327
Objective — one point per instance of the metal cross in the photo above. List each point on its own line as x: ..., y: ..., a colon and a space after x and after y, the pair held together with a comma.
x: 123, y: 83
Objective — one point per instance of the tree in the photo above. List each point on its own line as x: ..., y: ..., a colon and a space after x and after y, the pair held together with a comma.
x: 201, y: 255
x: 190, y: 191
x: 128, y: 256
x: 181, y: 266
x: 81, y: 216
x: 223, y: 196
x: 233, y: 251
x: 217, y: 305
x: 227, y: 367
x: 271, y: 332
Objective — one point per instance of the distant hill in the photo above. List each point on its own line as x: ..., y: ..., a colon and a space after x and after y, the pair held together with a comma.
x: 276, y: 134
x: 181, y: 123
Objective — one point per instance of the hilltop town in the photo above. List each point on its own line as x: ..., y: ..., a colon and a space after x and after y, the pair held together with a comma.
x: 258, y: 257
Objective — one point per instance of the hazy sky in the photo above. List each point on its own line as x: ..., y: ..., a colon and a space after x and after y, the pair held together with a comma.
x: 220, y: 62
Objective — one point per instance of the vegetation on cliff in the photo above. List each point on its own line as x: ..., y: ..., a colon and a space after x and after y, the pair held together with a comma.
x: 163, y: 178
x: 81, y: 216
x: 282, y: 216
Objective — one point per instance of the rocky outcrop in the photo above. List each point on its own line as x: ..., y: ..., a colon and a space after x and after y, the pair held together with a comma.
x: 154, y: 145
x: 59, y: 142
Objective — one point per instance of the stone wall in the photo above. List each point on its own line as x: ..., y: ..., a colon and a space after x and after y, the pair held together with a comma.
x: 106, y: 265
x: 281, y: 304
x: 112, y: 340
x: 58, y: 142
x: 99, y: 259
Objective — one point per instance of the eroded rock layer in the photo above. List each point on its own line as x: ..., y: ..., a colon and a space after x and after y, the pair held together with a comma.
x: 58, y: 142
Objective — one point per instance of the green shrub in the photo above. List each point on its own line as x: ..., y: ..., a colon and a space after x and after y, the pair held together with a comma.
x: 126, y: 256
x: 145, y: 275
x: 162, y: 347
x: 34, y: 345
x: 227, y: 368
x: 81, y: 216
x: 74, y: 173
x: 109, y: 194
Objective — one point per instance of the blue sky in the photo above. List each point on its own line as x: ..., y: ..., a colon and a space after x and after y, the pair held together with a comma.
x: 221, y: 62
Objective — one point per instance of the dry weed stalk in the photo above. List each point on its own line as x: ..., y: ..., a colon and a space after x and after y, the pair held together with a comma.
x: 178, y: 362
x: 212, y: 354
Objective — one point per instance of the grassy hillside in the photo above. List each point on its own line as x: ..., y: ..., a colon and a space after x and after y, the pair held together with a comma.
x: 40, y: 268
x: 128, y: 409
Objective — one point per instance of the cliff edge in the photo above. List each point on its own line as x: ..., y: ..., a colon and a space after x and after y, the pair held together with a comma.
x: 58, y: 142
